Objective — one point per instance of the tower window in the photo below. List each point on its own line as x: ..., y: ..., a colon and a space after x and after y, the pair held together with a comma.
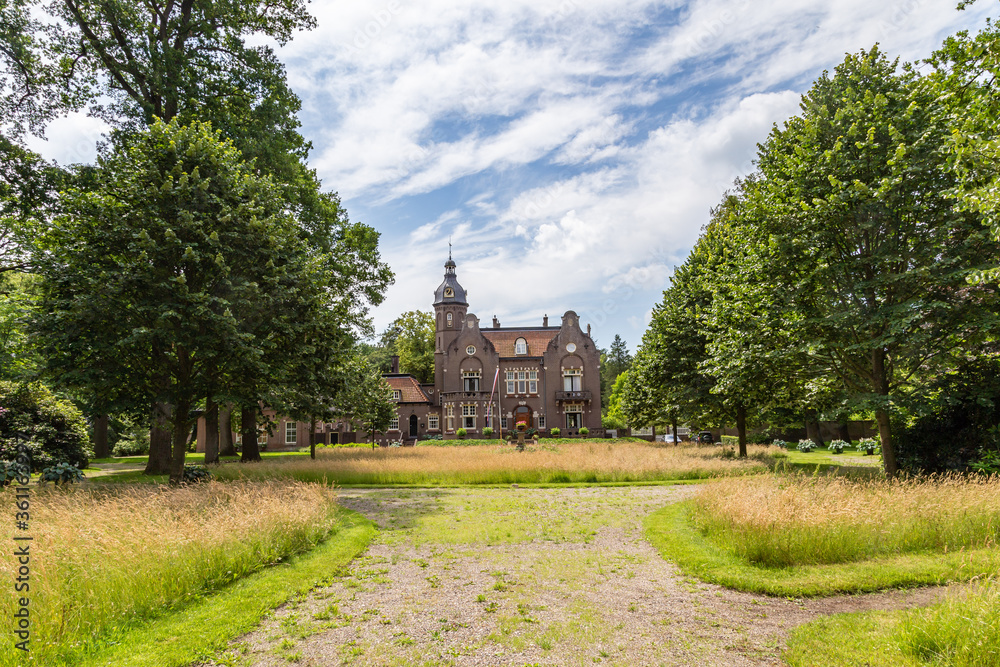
x: 449, y: 319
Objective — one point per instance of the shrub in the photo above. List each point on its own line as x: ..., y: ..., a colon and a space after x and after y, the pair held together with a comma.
x: 488, y: 432
x: 194, y: 474
x: 11, y: 471
x: 436, y: 436
x: 838, y: 446
x: 806, y: 445
x: 56, y: 430
x: 782, y: 444
x: 584, y: 430
x: 613, y: 423
x: 461, y: 433
x: 869, y: 446
x: 554, y: 432
x: 61, y: 474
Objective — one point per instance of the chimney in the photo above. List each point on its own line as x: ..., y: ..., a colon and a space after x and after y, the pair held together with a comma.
x: 545, y: 320
x: 588, y: 329
x: 395, y: 363
x: 496, y: 322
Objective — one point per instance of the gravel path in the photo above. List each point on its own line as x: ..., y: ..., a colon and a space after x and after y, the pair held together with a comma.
x: 528, y: 577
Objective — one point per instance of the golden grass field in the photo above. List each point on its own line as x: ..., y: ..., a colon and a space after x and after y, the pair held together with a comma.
x: 104, y: 558
x: 795, y: 520
x: 585, y: 462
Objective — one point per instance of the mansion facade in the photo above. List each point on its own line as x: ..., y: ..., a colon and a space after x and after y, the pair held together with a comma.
x: 547, y: 376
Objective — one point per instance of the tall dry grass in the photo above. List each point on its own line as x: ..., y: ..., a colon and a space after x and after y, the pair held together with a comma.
x: 780, y: 521
x: 962, y: 631
x: 104, y: 559
x: 587, y: 462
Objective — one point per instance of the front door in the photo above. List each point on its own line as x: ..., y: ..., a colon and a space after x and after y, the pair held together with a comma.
x: 522, y: 414
x: 413, y: 426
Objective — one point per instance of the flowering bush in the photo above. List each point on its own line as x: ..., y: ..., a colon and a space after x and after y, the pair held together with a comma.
x: 781, y: 443
x: 61, y: 473
x: 521, y: 425
x: 806, y: 445
x: 869, y: 446
x: 838, y: 446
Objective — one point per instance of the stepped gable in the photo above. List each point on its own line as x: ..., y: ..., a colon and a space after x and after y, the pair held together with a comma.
x: 409, y: 389
x: 503, y: 340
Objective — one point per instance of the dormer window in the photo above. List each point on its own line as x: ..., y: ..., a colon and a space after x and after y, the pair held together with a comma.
x: 395, y: 394
x: 520, y: 346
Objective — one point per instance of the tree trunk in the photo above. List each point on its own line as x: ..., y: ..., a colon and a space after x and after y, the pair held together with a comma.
x: 880, y: 382
x: 159, y: 440
x: 845, y: 431
x: 226, y: 445
x: 182, y: 429
x: 673, y: 423
x: 312, y: 439
x: 812, y: 428
x: 101, y: 450
x: 211, y: 432
x: 741, y: 428
x: 248, y: 427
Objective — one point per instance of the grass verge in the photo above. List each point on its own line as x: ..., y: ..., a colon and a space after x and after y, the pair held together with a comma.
x: 962, y: 631
x: 672, y: 532
x: 205, y: 627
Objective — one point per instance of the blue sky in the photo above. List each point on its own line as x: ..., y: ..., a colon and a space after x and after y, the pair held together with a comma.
x: 570, y: 149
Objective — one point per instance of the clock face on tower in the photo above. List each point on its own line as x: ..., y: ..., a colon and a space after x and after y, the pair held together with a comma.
x: 449, y: 291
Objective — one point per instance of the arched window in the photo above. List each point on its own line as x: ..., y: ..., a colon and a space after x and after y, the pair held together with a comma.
x: 449, y: 319
x: 520, y: 346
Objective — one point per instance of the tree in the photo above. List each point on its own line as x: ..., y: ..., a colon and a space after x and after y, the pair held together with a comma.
x: 866, y: 243
x: 146, y: 280
x: 614, y: 362
x: 367, y: 397
x: 411, y: 336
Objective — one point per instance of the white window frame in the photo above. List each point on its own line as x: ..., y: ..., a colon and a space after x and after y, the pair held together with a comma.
x: 520, y: 346
x: 503, y: 422
x: 291, y: 429
x: 469, y: 415
x: 448, y: 317
x: 396, y: 395
x: 394, y: 424
x: 541, y: 421
x: 433, y: 423
x: 572, y: 379
x: 471, y: 375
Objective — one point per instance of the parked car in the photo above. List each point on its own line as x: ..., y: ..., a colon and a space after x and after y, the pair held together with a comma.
x: 705, y: 437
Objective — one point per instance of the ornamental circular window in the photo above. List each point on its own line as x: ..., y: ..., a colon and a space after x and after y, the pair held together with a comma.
x: 449, y: 291
x: 571, y: 347
x: 470, y: 350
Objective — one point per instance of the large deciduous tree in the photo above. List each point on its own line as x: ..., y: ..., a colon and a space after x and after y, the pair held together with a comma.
x: 872, y: 251
x: 150, y: 276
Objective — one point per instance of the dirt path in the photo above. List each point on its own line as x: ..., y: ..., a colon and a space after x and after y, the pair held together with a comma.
x: 529, y: 577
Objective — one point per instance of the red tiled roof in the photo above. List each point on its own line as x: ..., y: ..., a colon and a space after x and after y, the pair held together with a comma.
x: 408, y: 388
x: 503, y: 340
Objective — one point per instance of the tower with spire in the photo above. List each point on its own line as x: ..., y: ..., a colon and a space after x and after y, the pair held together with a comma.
x: 450, y: 307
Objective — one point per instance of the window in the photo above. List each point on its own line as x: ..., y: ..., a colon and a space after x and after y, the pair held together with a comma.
x: 520, y: 346
x: 522, y: 382
x: 432, y: 423
x: 503, y: 422
x: 291, y: 433
x: 471, y: 350
x: 574, y: 415
x: 262, y: 437
x: 450, y: 412
x: 395, y: 394
x: 394, y: 423
x: 469, y: 416
x: 470, y: 380
x: 541, y: 421
x: 572, y: 379
x: 449, y: 319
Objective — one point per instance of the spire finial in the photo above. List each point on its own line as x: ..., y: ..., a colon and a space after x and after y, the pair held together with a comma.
x: 449, y: 248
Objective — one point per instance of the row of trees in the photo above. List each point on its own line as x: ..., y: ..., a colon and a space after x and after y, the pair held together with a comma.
x: 199, y: 263
x: 855, y: 266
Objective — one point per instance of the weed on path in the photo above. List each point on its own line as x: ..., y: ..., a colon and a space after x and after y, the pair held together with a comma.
x: 527, y: 576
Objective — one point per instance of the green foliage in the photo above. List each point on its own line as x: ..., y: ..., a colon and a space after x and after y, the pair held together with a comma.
x: 411, y: 336
x: 460, y: 433
x: 959, y: 421
x: 61, y: 474
x: 806, y: 446
x: 131, y: 437
x: 11, y: 472
x: 584, y: 431
x: 54, y: 429
x: 195, y: 474
x: 838, y: 446
x: 488, y: 432
x: 554, y: 431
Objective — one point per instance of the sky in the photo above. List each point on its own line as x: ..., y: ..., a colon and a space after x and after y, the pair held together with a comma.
x: 570, y: 150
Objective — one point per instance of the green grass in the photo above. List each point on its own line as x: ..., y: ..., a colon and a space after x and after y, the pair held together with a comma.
x: 205, y: 627
x: 961, y: 631
x: 671, y: 531
x: 823, y: 456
